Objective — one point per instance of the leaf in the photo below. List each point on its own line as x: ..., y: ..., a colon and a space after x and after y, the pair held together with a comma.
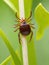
x: 12, y: 63
x: 35, y: 3
x: 10, y: 4
x: 31, y: 53
x: 11, y: 50
x: 9, y: 58
x: 42, y: 19
x: 13, y: 4
x: 5, y: 62
x: 16, y: 4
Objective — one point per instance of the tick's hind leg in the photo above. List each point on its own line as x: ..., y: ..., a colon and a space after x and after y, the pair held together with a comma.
x: 32, y: 26
x: 31, y: 36
x: 19, y: 37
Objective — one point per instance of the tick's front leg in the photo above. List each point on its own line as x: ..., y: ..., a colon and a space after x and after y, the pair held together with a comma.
x: 17, y: 16
x: 29, y: 16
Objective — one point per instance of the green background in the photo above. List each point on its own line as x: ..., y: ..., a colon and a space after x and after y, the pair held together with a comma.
x: 7, y: 18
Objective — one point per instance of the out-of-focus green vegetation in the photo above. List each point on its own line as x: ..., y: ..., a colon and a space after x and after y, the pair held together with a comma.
x: 40, y: 48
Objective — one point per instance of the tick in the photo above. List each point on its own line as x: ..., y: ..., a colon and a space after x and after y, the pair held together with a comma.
x: 24, y: 26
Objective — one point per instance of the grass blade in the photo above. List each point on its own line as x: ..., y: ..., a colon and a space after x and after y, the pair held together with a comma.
x: 11, y: 50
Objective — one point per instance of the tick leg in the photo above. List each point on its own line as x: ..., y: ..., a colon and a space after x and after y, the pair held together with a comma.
x: 17, y: 16
x: 16, y: 29
x: 17, y: 20
x: 32, y: 27
x: 29, y: 20
x: 19, y: 37
x: 16, y: 25
x: 31, y: 36
x: 31, y: 24
x: 29, y: 16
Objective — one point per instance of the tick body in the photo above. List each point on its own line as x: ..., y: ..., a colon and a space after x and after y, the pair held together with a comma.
x: 24, y: 27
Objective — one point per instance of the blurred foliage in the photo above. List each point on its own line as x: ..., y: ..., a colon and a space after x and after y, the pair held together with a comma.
x: 37, y: 50
x: 42, y: 18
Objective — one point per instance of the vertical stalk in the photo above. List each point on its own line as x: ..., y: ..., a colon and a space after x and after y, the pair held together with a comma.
x: 24, y: 42
x: 24, y: 51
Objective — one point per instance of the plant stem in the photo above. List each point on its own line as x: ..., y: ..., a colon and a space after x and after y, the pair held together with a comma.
x: 24, y: 51
x: 24, y: 42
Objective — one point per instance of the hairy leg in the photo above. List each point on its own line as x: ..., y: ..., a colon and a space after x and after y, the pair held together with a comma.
x: 17, y: 20
x: 17, y: 16
x: 29, y: 20
x: 32, y: 26
x: 29, y: 16
x: 31, y: 36
x: 16, y: 29
x: 16, y: 25
x: 19, y: 37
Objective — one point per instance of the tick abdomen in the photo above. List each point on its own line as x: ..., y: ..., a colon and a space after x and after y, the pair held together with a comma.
x: 25, y: 29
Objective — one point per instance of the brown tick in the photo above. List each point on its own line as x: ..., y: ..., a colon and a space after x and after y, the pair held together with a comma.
x: 24, y: 26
